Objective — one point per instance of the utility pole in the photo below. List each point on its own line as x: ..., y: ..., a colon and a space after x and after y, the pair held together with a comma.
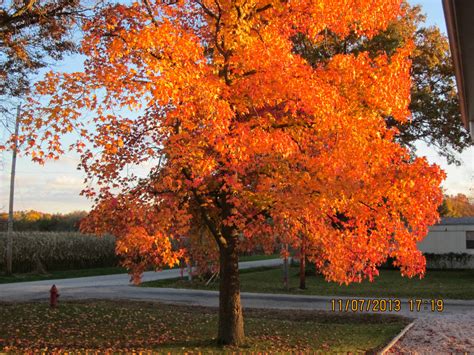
x: 12, y: 194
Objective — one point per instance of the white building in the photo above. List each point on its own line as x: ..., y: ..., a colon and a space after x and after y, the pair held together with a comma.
x: 451, y: 235
x: 453, y: 240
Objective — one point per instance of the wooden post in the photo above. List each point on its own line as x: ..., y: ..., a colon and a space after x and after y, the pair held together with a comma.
x: 303, y: 263
x: 12, y: 194
x: 285, y: 269
x: 190, y: 271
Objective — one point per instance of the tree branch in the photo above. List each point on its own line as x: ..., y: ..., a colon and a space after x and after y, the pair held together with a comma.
x: 24, y: 9
x: 263, y: 8
x: 150, y: 13
x: 220, y: 240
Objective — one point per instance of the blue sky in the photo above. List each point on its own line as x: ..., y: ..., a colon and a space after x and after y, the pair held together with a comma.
x: 55, y: 186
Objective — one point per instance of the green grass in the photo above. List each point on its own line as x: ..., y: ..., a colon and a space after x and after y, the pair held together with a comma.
x: 66, y: 274
x: 258, y: 257
x: 126, y: 326
x: 445, y: 284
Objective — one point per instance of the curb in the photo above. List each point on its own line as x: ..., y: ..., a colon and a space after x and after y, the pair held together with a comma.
x: 397, y: 338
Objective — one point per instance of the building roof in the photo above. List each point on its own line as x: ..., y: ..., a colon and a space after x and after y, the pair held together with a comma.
x: 457, y: 221
x: 459, y: 15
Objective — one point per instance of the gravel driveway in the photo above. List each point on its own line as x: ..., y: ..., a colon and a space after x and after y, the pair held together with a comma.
x: 443, y: 333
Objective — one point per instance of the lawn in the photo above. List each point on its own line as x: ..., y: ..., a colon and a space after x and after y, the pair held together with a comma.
x: 67, y: 274
x: 256, y: 257
x: 445, y: 284
x: 144, y: 326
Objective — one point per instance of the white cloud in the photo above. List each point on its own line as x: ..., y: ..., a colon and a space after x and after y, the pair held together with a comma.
x: 459, y: 179
x: 53, y: 187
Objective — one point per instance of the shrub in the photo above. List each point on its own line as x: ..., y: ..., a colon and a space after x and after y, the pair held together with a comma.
x: 58, y: 251
x: 449, y: 261
x: 433, y: 262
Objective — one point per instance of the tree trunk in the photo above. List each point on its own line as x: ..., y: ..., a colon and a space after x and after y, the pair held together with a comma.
x: 231, y: 321
x: 302, y: 265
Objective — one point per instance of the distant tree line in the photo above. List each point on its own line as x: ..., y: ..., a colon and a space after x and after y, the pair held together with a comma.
x: 453, y: 206
x: 457, y: 206
x: 45, y: 222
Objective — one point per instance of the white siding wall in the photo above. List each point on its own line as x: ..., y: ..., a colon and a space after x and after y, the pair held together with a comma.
x: 443, y: 239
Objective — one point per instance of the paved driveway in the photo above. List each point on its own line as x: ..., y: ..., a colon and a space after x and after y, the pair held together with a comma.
x: 449, y: 331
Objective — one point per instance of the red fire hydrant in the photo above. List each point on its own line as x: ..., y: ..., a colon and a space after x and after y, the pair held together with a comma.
x: 53, y: 296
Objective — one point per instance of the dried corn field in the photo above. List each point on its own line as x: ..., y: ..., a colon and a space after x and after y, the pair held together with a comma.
x: 34, y: 251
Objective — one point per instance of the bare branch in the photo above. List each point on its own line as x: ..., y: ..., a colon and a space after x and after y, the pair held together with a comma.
x: 150, y: 13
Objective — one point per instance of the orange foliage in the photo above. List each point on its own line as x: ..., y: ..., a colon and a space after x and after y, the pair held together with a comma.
x: 458, y: 206
x: 246, y: 139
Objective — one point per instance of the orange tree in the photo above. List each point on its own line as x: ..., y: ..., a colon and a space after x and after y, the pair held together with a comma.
x: 245, y: 141
x: 457, y: 206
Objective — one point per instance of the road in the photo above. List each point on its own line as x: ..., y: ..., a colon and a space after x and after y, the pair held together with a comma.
x: 98, y: 286
x: 446, y: 331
